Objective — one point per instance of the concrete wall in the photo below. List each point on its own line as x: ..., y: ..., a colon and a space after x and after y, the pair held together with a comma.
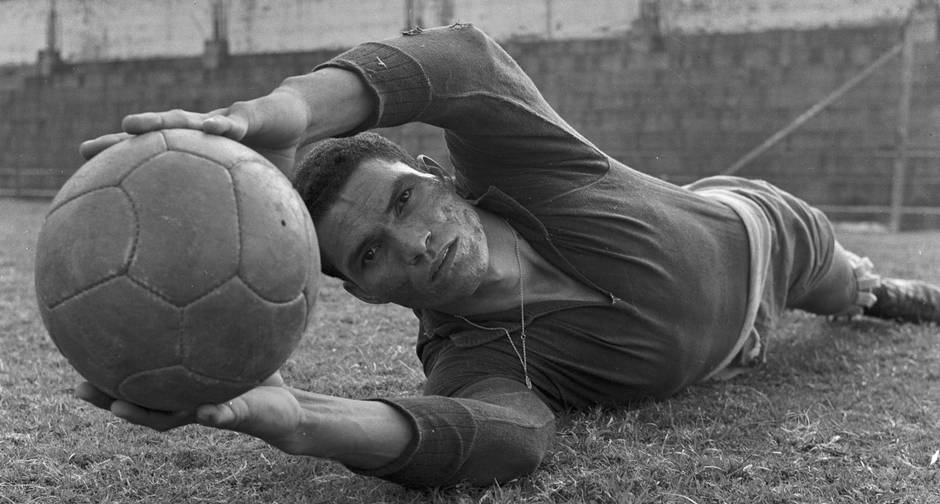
x: 727, y: 16
x: 94, y: 30
x: 679, y: 106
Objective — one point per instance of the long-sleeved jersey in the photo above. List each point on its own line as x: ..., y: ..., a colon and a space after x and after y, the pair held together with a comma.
x: 674, y: 264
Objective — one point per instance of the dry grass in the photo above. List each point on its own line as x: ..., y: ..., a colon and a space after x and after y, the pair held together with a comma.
x: 843, y: 412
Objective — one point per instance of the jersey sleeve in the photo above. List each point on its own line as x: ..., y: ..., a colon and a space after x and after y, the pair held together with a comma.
x: 493, y: 430
x: 459, y: 79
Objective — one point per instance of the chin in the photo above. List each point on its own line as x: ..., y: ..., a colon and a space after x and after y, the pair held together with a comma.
x: 449, y: 291
x: 468, y: 270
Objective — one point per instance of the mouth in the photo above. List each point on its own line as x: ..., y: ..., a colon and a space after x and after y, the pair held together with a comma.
x: 446, y: 256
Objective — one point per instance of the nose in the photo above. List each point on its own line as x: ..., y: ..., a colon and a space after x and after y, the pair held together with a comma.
x: 413, y: 243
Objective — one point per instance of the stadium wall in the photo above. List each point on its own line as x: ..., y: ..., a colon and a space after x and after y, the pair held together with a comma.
x: 95, y: 30
x: 679, y: 106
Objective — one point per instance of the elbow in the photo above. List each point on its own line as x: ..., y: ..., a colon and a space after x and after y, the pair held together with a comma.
x: 523, y: 464
x: 528, y: 462
x: 502, y: 475
x: 508, y: 462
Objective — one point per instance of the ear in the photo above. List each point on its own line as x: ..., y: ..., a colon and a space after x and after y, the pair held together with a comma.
x: 362, y: 295
x: 435, y: 168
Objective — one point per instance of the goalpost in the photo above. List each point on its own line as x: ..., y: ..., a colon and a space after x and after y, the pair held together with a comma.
x: 901, y: 153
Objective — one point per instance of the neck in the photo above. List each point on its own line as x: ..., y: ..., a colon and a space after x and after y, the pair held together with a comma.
x: 499, y: 289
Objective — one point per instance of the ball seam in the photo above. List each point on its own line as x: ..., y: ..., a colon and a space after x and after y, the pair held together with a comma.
x: 117, y: 183
x: 125, y: 265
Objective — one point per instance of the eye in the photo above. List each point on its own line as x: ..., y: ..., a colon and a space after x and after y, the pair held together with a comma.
x: 370, y: 254
x: 403, y: 199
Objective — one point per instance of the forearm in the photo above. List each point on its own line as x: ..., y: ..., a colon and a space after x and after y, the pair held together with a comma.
x: 306, y: 107
x: 366, y: 434
x: 334, y: 101
x: 496, y: 432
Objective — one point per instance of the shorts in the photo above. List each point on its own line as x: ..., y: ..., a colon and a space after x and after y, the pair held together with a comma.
x: 794, y: 258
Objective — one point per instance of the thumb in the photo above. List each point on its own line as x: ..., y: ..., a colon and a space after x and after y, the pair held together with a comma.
x: 220, y: 416
x: 231, y: 124
x: 91, y: 148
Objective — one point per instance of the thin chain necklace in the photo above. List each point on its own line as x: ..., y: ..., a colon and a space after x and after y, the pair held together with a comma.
x: 523, y: 358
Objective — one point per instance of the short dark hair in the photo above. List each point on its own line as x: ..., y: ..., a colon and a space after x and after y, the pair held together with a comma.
x: 326, y: 168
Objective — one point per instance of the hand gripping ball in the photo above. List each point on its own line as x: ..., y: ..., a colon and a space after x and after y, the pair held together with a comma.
x: 177, y: 268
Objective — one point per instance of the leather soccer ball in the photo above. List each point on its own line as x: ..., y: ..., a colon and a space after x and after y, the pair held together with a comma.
x: 177, y: 268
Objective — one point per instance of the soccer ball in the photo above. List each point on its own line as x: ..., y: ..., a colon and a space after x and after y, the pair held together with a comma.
x: 177, y: 268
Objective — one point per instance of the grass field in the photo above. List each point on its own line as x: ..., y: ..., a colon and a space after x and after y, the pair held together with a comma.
x: 843, y: 412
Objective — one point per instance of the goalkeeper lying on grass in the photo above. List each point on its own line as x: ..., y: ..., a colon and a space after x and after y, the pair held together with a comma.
x: 546, y: 276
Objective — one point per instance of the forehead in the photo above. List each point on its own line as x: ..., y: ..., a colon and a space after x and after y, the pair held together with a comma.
x: 370, y: 186
x: 374, y: 176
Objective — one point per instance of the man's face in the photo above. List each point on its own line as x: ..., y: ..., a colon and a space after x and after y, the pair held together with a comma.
x: 404, y: 236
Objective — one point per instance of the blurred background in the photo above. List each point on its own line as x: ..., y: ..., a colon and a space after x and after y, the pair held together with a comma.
x: 837, y: 101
